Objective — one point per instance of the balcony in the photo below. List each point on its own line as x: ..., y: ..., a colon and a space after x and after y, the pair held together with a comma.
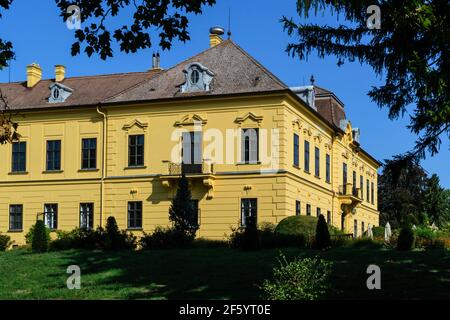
x: 349, y: 196
x: 206, y: 167
x: 201, y: 173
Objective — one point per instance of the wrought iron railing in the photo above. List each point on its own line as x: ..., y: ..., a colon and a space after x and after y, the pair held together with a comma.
x: 206, y: 167
x: 349, y: 190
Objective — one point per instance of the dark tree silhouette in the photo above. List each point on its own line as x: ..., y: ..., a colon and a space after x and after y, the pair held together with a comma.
x: 410, y: 52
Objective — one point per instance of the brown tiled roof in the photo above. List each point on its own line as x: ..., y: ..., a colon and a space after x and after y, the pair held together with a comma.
x: 89, y: 90
x: 235, y: 71
x: 332, y: 111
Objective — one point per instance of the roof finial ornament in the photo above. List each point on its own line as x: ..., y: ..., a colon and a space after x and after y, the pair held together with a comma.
x: 229, y: 23
x: 312, y: 80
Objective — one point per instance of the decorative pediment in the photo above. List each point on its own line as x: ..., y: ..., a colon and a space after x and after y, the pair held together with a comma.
x: 345, y: 154
x: 328, y: 146
x: 190, y: 120
x: 251, y: 116
x: 135, y: 123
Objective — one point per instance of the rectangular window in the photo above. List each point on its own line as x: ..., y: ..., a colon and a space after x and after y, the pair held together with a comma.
x: 15, y: 217
x: 329, y: 217
x: 53, y: 155
x: 89, y: 153
x: 362, y: 228
x: 306, y: 156
x: 136, y: 150
x: 51, y: 215
x: 317, y: 161
x: 296, y: 150
x: 86, y: 215
x: 297, y: 208
x: 19, y: 152
x: 250, y: 145
x: 134, y: 214
x: 372, y: 197
x: 344, y: 178
x: 361, y: 186
x: 318, y: 211
x: 368, y: 190
x: 308, y: 209
x: 327, y: 168
x: 249, y: 211
x: 355, y: 228
x: 354, y: 184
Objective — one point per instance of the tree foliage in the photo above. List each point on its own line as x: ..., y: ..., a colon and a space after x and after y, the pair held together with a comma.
x: 182, y: 213
x: 323, y: 240
x: 168, y: 17
x: 410, y: 52
x: 407, y: 194
x: 8, y: 128
x: 436, y: 202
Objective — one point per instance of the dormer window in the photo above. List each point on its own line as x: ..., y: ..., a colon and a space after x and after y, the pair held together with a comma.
x: 197, y: 78
x: 59, y: 93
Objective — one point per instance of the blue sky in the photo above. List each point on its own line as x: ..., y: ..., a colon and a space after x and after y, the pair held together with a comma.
x: 39, y: 35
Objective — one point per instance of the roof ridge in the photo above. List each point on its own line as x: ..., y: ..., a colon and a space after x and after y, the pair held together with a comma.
x: 166, y: 70
x: 117, y: 74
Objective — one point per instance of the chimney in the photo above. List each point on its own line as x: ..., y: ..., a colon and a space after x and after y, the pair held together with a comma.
x: 60, y: 72
x: 215, y: 36
x: 156, y: 59
x: 34, y: 74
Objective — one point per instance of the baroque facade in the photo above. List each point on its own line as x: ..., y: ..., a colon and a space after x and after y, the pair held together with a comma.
x: 115, y: 145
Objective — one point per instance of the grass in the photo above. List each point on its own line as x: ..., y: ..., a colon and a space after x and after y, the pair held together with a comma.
x: 215, y: 273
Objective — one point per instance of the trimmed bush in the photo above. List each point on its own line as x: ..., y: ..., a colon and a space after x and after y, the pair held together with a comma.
x: 405, y: 240
x: 301, y: 279
x: 297, y: 225
x: 163, y: 238
x: 30, y: 233
x: 5, y: 242
x: 250, y: 236
x: 40, y: 237
x: 322, y: 234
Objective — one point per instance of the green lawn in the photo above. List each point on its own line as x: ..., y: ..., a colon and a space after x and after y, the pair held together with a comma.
x: 214, y: 273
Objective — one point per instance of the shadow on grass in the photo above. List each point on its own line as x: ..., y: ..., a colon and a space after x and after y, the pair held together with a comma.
x: 218, y: 273
x: 222, y: 273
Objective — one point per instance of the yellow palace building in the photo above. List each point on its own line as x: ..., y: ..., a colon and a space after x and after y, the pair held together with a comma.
x: 115, y: 145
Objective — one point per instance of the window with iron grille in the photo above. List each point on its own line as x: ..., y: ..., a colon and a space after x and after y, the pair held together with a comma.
x: 134, y: 214
x: 89, y: 153
x: 15, y: 217
x: 19, y: 151
x: 248, y: 209
x: 355, y: 228
x: 86, y: 215
x: 297, y: 208
x: 136, y: 150
x: 51, y: 215
x: 308, y: 209
x: 53, y: 155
